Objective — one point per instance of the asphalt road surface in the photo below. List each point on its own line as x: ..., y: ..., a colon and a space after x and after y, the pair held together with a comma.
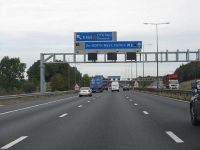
x: 107, y: 121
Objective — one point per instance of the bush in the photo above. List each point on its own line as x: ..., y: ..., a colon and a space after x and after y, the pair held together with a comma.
x: 29, y: 87
x: 57, y: 82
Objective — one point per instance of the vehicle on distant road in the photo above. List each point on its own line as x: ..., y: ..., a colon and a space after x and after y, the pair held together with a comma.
x: 105, y: 84
x: 96, y: 83
x: 170, y: 81
x: 85, y: 91
x: 115, y: 86
x: 196, y: 87
x: 195, y: 109
x: 126, y: 88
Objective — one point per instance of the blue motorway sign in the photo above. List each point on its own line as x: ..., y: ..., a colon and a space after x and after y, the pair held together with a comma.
x: 95, y: 36
x: 113, y: 45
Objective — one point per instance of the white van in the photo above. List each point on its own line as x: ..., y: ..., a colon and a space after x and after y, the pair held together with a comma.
x: 115, y: 86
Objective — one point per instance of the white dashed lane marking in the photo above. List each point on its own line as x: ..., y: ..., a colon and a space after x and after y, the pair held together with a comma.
x: 63, y: 115
x: 30, y: 107
x: 14, y: 142
x: 80, y: 106
x: 88, y: 101
x: 145, y: 112
x: 135, y: 104
x: 174, y: 137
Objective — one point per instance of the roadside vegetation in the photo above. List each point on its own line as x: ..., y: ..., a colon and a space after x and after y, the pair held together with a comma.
x: 187, y: 72
x: 58, y: 77
x: 186, y: 85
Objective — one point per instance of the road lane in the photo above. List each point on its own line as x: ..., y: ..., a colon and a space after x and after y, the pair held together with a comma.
x: 14, y: 124
x: 170, y: 115
x: 109, y: 123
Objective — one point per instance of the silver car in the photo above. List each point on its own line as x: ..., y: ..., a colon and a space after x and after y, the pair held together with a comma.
x: 85, y: 91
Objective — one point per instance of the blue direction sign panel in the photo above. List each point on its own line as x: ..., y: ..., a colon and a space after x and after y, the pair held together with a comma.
x: 113, y: 45
x: 95, y: 36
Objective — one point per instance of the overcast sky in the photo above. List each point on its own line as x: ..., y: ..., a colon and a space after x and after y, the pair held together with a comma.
x: 29, y: 27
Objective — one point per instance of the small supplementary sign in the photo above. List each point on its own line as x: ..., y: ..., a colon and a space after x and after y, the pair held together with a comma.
x: 95, y: 36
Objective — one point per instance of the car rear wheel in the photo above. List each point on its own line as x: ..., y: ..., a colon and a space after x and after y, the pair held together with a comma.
x: 194, y: 120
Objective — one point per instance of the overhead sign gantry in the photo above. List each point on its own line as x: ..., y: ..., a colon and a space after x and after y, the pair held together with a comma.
x: 95, y: 43
x: 87, y: 45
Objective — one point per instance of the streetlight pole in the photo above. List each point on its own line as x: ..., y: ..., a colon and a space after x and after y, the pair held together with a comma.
x: 131, y: 71
x: 156, y: 24
x: 143, y: 64
x: 136, y: 70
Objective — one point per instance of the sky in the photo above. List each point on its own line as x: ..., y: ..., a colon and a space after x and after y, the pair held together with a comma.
x: 31, y: 27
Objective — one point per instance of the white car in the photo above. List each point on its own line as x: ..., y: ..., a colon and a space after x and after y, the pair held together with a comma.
x: 85, y: 91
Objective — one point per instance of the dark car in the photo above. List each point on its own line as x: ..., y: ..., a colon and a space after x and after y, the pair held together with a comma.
x: 126, y: 88
x: 195, y: 109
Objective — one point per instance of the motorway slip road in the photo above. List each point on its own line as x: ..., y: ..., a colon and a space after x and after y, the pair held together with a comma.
x: 107, y: 121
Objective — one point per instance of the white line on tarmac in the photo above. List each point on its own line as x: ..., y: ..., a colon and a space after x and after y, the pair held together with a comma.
x: 135, y: 104
x: 167, y: 97
x: 1, y: 105
x: 130, y: 100
x: 63, y: 115
x: 88, y: 101
x: 14, y: 142
x: 80, y: 106
x: 174, y: 137
x: 145, y: 112
x: 36, y: 105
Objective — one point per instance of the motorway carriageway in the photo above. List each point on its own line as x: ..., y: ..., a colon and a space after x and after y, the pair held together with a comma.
x: 107, y: 121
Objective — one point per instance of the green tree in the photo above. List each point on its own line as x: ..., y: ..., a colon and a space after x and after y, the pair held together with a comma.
x: 85, y: 80
x: 57, y: 82
x: 188, y: 71
x: 70, y: 74
x: 34, y: 73
x: 28, y: 87
x: 11, y: 73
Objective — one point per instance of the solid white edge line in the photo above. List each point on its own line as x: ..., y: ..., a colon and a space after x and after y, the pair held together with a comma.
x: 1, y: 105
x: 63, y: 115
x: 174, y: 137
x: 174, y: 99
x: 145, y: 112
x: 35, y: 106
x: 80, y: 106
x: 14, y: 142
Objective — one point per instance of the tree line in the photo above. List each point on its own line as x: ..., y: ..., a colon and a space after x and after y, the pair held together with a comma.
x: 59, y: 77
x: 188, y: 71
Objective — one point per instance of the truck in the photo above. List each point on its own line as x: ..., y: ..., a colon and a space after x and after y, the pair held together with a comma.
x: 170, y: 81
x: 96, y: 83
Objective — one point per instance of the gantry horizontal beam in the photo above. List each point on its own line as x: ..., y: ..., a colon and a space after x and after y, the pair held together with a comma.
x: 146, y: 57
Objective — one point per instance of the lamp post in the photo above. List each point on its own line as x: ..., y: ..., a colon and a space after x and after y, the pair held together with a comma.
x: 143, y: 63
x: 156, y: 24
